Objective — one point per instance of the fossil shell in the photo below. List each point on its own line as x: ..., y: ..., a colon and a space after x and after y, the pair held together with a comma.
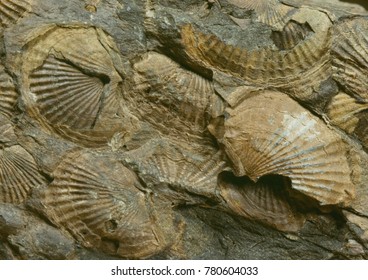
x: 342, y: 112
x: 292, y: 34
x: 70, y: 84
x: 103, y: 205
x: 350, y: 52
x: 12, y: 10
x: 296, y: 71
x: 273, y: 134
x: 8, y: 95
x: 266, y: 201
x: 18, y: 174
x: 183, y: 101
x: 270, y: 12
x: 180, y: 167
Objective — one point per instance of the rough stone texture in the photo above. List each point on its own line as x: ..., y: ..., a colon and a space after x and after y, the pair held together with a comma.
x: 138, y: 129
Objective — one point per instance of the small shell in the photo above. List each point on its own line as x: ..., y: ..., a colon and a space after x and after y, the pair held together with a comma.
x: 12, y: 10
x: 272, y: 134
x: 70, y: 84
x: 292, y: 34
x: 270, y: 12
x: 266, y: 201
x: 179, y: 167
x: 103, y: 205
x: 350, y: 57
x: 8, y: 95
x: 184, y: 101
x: 342, y: 112
x: 18, y: 175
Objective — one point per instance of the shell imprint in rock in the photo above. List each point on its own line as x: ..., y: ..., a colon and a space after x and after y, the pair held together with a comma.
x: 18, y: 174
x: 270, y: 12
x: 350, y: 57
x: 70, y: 84
x: 266, y: 201
x: 273, y: 134
x: 343, y: 112
x: 174, y: 100
x: 8, y: 95
x: 12, y: 10
x: 102, y: 204
x: 181, y: 168
x: 297, y: 70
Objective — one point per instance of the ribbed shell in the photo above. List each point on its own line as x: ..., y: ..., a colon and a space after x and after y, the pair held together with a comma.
x: 297, y: 70
x: 70, y: 84
x: 181, y: 168
x: 350, y: 56
x: 18, y: 175
x: 264, y: 201
x: 102, y: 204
x: 183, y: 101
x: 12, y: 10
x: 292, y: 34
x: 65, y: 95
x: 270, y: 12
x: 8, y: 95
x: 273, y: 134
x: 342, y: 112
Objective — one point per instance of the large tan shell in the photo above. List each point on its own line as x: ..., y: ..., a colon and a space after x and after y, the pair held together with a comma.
x: 182, y: 168
x: 343, y: 112
x: 350, y: 52
x: 272, y: 134
x: 270, y: 12
x: 70, y: 84
x: 266, y: 201
x: 103, y: 205
x: 183, y: 101
x: 296, y: 71
x: 8, y: 95
x: 18, y: 175
x: 12, y: 10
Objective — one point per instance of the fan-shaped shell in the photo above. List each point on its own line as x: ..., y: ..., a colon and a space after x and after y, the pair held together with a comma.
x: 12, y: 10
x: 8, y: 95
x: 18, y: 174
x: 296, y: 71
x: 270, y: 12
x: 342, y: 112
x: 179, y: 167
x: 350, y: 57
x: 273, y: 134
x: 70, y: 84
x: 183, y: 101
x: 266, y: 201
x: 103, y: 205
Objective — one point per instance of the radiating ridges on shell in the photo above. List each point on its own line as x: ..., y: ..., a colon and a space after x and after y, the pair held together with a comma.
x: 350, y: 56
x: 266, y: 201
x: 19, y: 174
x: 8, y: 95
x: 270, y: 12
x: 70, y: 84
x: 103, y: 205
x: 12, y: 10
x: 272, y: 134
x: 179, y: 167
x: 184, y: 101
x: 343, y: 111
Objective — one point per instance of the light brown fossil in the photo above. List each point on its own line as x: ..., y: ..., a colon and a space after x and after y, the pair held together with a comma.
x: 8, y: 95
x: 12, y: 10
x: 272, y: 134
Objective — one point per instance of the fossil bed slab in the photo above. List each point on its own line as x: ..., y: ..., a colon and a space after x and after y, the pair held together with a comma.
x: 159, y: 129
